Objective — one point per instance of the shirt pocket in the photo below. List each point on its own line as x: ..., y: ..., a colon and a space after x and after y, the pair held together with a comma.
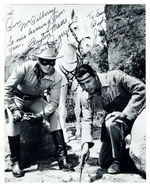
x: 46, y: 84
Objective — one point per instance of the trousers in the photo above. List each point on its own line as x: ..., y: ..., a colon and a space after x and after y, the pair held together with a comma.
x: 113, y: 145
x: 38, y: 105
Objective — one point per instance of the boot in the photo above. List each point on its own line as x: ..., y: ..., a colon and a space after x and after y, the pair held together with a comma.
x: 14, y: 144
x: 61, y: 151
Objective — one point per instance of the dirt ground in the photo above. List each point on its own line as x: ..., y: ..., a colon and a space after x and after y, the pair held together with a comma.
x: 47, y: 170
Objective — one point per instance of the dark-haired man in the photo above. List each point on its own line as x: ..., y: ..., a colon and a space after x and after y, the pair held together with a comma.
x: 123, y: 98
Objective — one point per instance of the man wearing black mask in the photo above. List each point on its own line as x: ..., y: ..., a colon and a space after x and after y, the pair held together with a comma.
x: 23, y: 93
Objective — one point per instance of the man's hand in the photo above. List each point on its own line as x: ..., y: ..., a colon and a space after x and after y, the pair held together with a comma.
x: 17, y: 115
x: 33, y: 117
x: 38, y: 116
x: 115, y: 115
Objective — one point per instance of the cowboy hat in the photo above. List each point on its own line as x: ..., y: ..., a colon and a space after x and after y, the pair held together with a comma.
x: 48, y: 50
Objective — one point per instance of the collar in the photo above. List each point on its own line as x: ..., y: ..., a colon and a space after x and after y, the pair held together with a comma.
x: 50, y: 76
x: 103, y: 79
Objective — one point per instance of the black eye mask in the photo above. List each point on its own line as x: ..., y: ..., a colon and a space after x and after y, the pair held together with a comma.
x: 47, y: 62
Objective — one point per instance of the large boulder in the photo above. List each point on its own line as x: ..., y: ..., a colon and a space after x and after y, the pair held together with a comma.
x: 125, y: 30
x: 138, y: 143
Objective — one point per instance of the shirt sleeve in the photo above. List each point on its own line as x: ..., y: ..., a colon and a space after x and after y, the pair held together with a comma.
x: 138, y: 94
x: 10, y: 86
x: 87, y: 121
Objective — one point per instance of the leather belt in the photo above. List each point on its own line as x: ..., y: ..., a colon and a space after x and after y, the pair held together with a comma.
x: 23, y: 96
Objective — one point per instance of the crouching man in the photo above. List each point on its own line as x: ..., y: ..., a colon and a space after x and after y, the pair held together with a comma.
x: 123, y: 98
x: 23, y: 92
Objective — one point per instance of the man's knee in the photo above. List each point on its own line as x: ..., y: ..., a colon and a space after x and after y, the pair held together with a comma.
x: 54, y: 121
x: 110, y: 124
x: 55, y: 114
x: 12, y: 129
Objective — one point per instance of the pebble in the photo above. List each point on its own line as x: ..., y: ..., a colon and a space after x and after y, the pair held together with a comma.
x: 67, y: 178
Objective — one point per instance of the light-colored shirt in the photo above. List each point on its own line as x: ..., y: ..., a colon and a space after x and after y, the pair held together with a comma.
x: 24, y: 78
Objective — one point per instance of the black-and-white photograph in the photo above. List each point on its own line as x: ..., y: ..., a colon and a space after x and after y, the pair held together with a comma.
x: 75, y: 93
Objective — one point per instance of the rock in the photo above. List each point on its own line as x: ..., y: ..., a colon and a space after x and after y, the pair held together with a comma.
x: 138, y: 143
x: 96, y: 175
x: 125, y: 25
x: 36, y: 143
x: 67, y: 178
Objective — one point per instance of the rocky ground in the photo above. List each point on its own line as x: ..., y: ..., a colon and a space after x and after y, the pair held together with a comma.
x: 47, y: 170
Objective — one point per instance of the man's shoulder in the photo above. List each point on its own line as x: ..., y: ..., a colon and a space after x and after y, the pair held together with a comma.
x: 117, y: 72
x: 28, y: 64
x: 111, y: 74
x: 119, y: 75
x: 111, y: 77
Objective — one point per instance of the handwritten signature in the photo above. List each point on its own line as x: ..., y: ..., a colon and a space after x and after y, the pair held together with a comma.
x: 97, y: 19
x: 50, y: 25
x: 11, y: 23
